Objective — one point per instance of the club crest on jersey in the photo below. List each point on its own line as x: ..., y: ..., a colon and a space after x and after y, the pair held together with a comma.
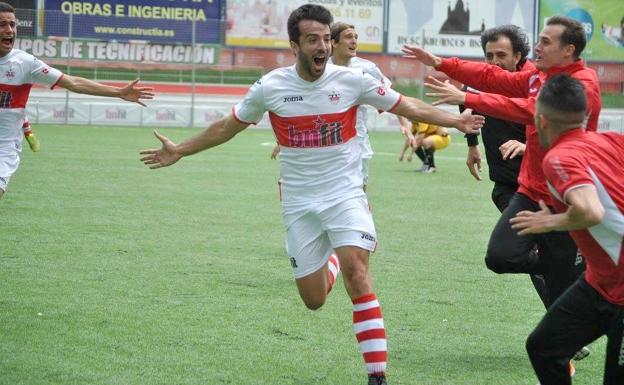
x: 381, y: 90
x: 10, y: 74
x: 334, y: 97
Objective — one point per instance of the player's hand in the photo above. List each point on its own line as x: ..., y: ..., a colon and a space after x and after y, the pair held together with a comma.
x: 427, y: 58
x: 405, y: 131
x: 469, y: 123
x: 473, y: 161
x: 275, y: 152
x: 529, y: 222
x: 445, y: 92
x: 512, y: 148
x: 135, y: 94
x: 161, y: 157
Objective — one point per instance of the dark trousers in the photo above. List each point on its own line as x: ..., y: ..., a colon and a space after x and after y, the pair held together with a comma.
x: 581, y: 315
x: 509, y: 252
x: 502, y: 194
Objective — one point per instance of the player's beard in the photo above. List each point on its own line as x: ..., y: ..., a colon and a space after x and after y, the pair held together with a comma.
x: 309, y: 66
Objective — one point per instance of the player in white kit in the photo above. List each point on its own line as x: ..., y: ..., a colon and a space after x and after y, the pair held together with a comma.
x: 312, y: 107
x: 344, y: 41
x: 18, y: 72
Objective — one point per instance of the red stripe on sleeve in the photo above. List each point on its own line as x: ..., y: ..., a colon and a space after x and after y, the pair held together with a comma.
x: 237, y: 118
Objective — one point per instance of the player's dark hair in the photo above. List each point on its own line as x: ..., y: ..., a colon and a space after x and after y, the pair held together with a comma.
x: 518, y: 38
x: 564, y: 94
x: 337, y: 28
x: 6, y: 7
x: 574, y: 33
x: 307, y: 12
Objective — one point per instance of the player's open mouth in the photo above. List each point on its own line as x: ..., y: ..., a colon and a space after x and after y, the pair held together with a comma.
x: 319, y: 60
x: 7, y: 40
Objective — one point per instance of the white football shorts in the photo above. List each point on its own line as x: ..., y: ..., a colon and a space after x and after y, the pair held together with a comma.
x: 313, y: 231
x: 9, y: 160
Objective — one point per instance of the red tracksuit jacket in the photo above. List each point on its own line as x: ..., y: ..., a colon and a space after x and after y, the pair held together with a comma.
x: 512, y: 96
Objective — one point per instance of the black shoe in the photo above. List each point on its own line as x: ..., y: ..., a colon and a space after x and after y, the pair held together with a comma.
x: 377, y: 380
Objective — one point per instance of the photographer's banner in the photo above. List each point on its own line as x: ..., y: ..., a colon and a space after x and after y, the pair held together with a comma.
x: 163, y: 21
x: 262, y: 23
x: 453, y: 28
x: 603, y: 21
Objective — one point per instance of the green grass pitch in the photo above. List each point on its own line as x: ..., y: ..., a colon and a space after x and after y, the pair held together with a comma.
x: 112, y: 274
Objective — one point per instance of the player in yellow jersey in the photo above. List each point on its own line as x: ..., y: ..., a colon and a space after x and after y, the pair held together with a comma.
x: 428, y: 138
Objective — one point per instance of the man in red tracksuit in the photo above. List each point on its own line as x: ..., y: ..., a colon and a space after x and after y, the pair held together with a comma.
x: 589, y: 199
x: 512, y: 97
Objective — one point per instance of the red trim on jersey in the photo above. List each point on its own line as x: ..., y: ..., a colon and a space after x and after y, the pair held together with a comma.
x: 366, y: 315
x: 237, y: 118
x: 319, y: 130
x: 18, y: 95
x: 371, y: 334
x: 396, y: 104
x: 57, y: 81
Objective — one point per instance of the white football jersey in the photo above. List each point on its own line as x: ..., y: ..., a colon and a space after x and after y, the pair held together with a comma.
x: 361, y: 124
x: 314, y: 123
x: 18, y: 72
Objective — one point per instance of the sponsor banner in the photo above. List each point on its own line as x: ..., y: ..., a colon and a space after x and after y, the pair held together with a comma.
x: 163, y: 21
x: 55, y: 112
x: 453, y: 28
x: 603, y: 21
x: 118, y: 51
x: 167, y: 116
x: 262, y: 23
x: 107, y: 113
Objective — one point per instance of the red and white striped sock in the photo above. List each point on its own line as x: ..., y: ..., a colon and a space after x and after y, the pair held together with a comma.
x: 333, y: 268
x: 369, y: 330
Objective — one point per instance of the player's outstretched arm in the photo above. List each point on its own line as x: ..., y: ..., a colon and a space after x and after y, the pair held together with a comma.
x: 585, y: 210
x: 419, y: 111
x: 445, y: 92
x: 130, y: 92
x: 426, y: 57
x: 169, y: 153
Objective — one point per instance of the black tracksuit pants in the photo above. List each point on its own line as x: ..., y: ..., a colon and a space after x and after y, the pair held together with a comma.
x: 509, y: 252
x: 581, y: 315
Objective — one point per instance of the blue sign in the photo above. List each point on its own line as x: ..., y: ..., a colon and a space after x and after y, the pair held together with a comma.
x: 161, y: 21
x: 585, y: 18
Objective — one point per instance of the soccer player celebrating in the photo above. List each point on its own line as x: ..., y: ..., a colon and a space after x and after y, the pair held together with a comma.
x: 585, y: 176
x: 312, y: 108
x: 18, y: 72
x: 344, y: 40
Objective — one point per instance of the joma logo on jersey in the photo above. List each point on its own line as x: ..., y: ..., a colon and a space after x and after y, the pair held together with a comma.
x: 289, y: 99
x: 323, y: 134
x: 368, y: 237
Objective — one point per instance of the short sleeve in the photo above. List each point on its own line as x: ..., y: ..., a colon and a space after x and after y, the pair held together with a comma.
x: 252, y: 107
x: 565, y: 172
x: 43, y: 74
x: 377, y: 94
